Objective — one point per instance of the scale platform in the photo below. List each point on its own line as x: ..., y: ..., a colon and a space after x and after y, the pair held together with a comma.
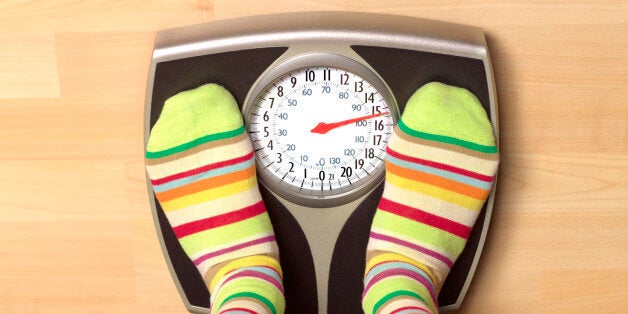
x: 322, y: 240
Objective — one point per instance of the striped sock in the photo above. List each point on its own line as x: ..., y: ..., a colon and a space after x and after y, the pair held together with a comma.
x: 201, y: 165
x: 242, y: 286
x: 440, y: 164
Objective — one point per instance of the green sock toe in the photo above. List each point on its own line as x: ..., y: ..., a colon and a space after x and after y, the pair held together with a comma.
x: 440, y: 166
x: 443, y: 110
x: 207, y: 110
x: 201, y: 167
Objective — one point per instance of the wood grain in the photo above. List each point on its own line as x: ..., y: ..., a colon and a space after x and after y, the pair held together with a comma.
x: 74, y: 216
x: 31, y: 53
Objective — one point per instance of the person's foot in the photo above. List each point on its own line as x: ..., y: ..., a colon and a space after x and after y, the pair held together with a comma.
x: 440, y: 165
x: 202, y: 169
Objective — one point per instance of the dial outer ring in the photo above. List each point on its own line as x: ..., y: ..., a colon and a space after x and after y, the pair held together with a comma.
x: 342, y: 195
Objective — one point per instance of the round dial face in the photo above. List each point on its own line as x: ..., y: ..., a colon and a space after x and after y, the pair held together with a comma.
x: 320, y: 132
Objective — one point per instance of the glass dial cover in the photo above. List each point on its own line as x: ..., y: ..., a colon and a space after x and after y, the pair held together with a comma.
x: 320, y: 131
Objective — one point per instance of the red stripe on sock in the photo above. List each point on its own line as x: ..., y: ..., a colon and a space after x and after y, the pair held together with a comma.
x: 413, y: 246
x: 425, y: 218
x: 438, y: 165
x: 270, y: 238
x: 220, y: 220
x: 202, y: 169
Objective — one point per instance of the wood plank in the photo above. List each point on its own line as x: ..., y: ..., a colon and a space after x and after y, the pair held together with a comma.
x: 29, y: 65
x: 74, y: 214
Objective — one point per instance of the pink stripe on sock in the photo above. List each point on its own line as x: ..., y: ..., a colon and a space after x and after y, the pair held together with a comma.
x: 236, y: 310
x: 411, y: 308
x: 425, y: 218
x: 202, y: 169
x: 436, y: 255
x: 220, y: 220
x: 240, y: 246
x: 438, y: 165
x: 401, y: 272
x: 258, y: 275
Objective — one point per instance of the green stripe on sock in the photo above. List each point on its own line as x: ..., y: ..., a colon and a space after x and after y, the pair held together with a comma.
x: 196, y: 142
x: 392, y: 295
x: 447, y: 139
x: 256, y: 296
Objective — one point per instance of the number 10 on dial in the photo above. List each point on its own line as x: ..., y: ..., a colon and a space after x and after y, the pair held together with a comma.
x: 320, y: 132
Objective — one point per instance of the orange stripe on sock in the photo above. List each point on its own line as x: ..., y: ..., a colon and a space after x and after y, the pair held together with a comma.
x: 439, y: 181
x: 206, y: 184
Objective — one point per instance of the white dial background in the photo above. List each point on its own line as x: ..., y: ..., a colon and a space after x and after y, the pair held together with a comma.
x: 342, y: 153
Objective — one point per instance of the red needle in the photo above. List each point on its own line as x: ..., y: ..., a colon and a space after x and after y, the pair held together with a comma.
x: 323, y: 128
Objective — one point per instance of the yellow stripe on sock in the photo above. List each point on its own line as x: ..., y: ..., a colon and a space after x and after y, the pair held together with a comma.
x: 389, y: 256
x: 218, y: 206
x: 255, y: 260
x: 210, y: 194
x: 434, y: 191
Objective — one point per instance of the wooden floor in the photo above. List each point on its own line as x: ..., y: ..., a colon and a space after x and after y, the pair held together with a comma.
x: 75, y: 223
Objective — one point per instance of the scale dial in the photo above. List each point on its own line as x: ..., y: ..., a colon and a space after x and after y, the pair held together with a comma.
x: 320, y: 131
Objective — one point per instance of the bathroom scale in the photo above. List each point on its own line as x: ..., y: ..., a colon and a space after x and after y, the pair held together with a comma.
x: 320, y: 92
